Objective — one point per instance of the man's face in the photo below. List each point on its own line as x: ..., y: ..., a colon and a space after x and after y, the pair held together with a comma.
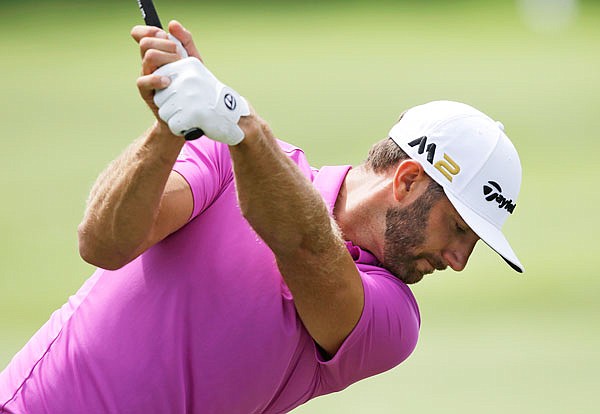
x: 428, y: 234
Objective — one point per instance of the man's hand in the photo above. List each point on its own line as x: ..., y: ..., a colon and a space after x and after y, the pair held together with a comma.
x: 197, y: 101
x: 158, y: 50
x: 183, y: 93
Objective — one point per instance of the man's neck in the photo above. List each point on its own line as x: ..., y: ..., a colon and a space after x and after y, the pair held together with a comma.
x: 361, y: 206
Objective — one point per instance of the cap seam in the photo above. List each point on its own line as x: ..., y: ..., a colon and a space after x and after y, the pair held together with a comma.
x: 444, y: 121
x: 487, y: 157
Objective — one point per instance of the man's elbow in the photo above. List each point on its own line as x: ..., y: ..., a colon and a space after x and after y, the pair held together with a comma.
x: 93, y: 251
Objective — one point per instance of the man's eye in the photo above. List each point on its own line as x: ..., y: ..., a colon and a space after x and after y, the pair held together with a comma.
x: 460, y: 229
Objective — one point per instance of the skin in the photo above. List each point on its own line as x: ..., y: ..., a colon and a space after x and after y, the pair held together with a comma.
x: 138, y: 201
x: 388, y: 215
x: 433, y: 238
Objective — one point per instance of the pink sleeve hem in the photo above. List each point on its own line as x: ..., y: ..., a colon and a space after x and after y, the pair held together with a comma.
x: 189, y: 173
x: 182, y: 175
x: 356, y: 332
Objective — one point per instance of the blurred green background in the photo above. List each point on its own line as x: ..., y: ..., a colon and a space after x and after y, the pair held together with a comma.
x: 332, y: 77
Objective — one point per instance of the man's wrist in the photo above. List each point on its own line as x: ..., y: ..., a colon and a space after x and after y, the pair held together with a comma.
x: 161, y: 130
x: 162, y: 145
x: 252, y: 126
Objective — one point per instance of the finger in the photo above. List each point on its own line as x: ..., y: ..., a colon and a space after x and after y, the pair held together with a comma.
x: 139, y: 32
x: 185, y: 37
x: 149, y: 83
x: 157, y: 43
x: 154, y: 59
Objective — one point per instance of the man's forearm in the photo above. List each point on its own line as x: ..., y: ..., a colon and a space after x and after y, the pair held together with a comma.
x: 125, y: 199
x: 278, y: 201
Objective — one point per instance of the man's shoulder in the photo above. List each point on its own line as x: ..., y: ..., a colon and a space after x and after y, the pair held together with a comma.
x: 297, y: 155
x: 291, y: 150
x: 384, y: 282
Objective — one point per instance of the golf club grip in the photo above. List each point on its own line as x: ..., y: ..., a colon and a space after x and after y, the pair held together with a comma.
x: 149, y: 13
x: 150, y: 17
x: 192, y: 134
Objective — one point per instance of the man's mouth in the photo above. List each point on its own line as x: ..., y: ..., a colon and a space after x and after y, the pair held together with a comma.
x: 432, y: 265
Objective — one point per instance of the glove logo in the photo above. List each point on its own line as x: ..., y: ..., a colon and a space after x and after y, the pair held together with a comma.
x: 229, y: 101
x: 493, y: 192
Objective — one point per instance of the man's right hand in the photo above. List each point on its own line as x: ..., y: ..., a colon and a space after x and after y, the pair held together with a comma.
x: 157, y: 50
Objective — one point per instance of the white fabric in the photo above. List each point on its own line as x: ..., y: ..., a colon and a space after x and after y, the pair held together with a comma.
x: 197, y: 99
x: 180, y: 49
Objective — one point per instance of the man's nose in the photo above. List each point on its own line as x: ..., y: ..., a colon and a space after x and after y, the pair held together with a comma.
x: 458, y: 254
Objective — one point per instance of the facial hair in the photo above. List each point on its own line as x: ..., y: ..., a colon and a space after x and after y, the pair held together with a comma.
x: 405, y: 232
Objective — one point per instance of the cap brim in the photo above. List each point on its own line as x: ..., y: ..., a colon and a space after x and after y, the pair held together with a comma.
x: 487, y: 232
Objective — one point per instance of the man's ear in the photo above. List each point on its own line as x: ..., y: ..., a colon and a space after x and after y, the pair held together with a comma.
x: 409, y: 181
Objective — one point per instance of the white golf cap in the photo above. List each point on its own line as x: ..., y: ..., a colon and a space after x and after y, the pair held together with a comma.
x: 468, y: 154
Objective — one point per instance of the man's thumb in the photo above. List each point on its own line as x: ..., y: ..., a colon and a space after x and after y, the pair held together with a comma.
x: 185, y: 37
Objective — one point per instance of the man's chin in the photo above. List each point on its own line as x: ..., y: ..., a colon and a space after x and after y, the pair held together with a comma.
x: 410, y: 278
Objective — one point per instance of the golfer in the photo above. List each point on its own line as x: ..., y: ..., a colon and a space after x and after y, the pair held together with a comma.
x: 233, y: 277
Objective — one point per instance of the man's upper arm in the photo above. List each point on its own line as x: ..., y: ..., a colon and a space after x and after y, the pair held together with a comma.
x: 198, y: 177
x: 385, y: 335
x: 328, y: 293
x: 174, y: 211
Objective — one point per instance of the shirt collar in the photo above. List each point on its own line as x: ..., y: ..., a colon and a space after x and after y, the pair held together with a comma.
x: 328, y: 181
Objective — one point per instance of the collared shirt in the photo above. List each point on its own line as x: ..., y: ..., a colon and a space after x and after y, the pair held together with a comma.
x: 203, y: 322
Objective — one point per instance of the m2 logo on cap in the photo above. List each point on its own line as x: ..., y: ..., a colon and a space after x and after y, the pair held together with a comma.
x: 447, y: 166
x: 493, y: 192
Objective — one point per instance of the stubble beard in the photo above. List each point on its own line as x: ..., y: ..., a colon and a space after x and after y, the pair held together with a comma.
x: 404, y: 234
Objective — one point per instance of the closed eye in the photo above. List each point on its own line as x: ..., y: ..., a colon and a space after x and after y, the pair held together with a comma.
x: 460, y: 229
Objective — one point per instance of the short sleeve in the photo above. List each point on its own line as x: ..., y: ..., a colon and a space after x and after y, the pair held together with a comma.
x: 206, y: 166
x: 385, y: 335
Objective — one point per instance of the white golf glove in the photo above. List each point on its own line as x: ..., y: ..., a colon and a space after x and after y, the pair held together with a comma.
x: 196, y: 103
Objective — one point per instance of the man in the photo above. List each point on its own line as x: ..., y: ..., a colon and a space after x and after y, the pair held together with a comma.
x: 238, y: 279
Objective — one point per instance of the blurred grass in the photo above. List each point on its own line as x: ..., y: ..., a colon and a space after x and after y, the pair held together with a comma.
x: 332, y: 78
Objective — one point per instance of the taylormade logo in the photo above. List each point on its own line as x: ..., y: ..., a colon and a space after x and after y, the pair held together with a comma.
x: 493, y: 192
x: 230, y: 102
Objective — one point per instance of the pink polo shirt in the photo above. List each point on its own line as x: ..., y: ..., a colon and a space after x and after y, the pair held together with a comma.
x: 203, y: 321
